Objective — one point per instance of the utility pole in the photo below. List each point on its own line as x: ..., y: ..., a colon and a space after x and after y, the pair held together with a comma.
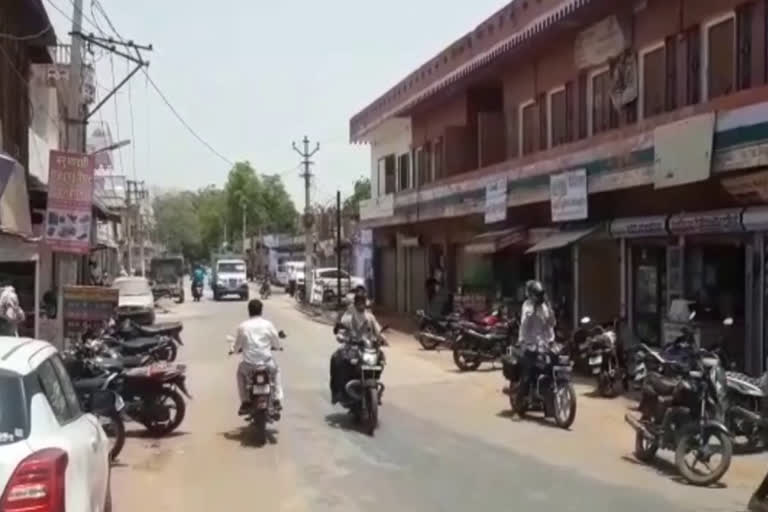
x: 338, y: 249
x: 75, y: 118
x: 136, y: 196
x: 308, y: 219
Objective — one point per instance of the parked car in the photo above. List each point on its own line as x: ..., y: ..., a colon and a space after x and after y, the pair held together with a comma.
x: 167, y: 277
x: 55, y: 456
x: 136, y: 300
x: 325, y: 282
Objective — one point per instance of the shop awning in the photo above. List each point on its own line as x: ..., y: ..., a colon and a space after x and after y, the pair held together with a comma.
x: 489, y: 243
x: 560, y: 240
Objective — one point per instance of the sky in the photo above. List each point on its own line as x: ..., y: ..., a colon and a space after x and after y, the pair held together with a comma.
x: 251, y: 76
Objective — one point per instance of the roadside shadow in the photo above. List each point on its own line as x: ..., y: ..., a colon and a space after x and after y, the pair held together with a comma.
x: 482, y: 369
x: 343, y: 421
x: 245, y: 436
x: 144, y: 434
x: 669, y: 469
x: 528, y: 417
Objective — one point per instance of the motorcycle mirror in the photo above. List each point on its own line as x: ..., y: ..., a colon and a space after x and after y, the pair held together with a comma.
x: 585, y: 320
x: 728, y: 321
x: 281, y: 334
x: 692, y: 315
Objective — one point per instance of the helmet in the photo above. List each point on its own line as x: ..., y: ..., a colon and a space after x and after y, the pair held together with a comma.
x: 534, y: 290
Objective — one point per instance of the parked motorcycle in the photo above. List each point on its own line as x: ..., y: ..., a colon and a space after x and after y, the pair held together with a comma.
x: 197, y: 291
x: 601, y: 351
x: 363, y: 393
x: 551, y: 390
x: 98, y: 398
x: 262, y: 410
x: 436, y: 332
x: 685, y: 414
x: 476, y: 344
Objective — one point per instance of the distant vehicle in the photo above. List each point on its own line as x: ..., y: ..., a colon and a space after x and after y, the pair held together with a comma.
x: 55, y: 456
x: 229, y: 278
x: 294, y: 271
x: 166, y: 276
x: 325, y: 281
x: 136, y: 300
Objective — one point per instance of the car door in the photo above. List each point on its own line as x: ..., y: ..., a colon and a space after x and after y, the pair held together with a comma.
x: 98, y: 461
x: 69, y: 430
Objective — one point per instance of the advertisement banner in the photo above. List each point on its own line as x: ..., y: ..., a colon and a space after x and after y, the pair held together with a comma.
x: 70, y: 200
x: 87, y: 307
x: 568, y: 195
x: 496, y: 201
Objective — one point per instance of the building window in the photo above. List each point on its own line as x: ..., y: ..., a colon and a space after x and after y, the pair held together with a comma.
x: 423, y: 163
x: 653, y: 87
x: 719, y: 77
x: 529, y: 127
x: 404, y: 169
x: 558, y: 117
x: 389, y: 174
x: 602, y: 114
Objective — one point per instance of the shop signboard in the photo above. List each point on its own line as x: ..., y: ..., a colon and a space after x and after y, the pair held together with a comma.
x: 683, y: 151
x: 717, y: 221
x: 637, y: 227
x: 568, y: 195
x: 70, y: 198
x: 496, y: 201
x: 600, y: 42
x: 87, y: 307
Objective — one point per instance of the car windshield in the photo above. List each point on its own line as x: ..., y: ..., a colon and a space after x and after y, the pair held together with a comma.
x: 133, y: 287
x: 12, y: 415
x: 231, y: 267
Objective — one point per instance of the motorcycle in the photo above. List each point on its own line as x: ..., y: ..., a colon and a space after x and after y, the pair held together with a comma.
x: 436, y: 332
x: 130, y: 339
x: 363, y: 393
x: 265, y: 291
x: 476, y: 344
x: 197, y: 291
x: 601, y: 352
x: 684, y: 413
x: 262, y: 410
x: 551, y: 390
x: 97, y: 398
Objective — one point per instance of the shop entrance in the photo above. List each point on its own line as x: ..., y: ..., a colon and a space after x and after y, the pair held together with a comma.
x: 556, y: 270
x: 649, y: 275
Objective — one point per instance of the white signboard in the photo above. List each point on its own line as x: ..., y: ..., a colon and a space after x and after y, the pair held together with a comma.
x: 496, y: 201
x: 683, y: 151
x: 602, y: 41
x: 568, y: 195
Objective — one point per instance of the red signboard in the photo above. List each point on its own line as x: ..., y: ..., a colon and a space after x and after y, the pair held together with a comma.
x: 70, y: 201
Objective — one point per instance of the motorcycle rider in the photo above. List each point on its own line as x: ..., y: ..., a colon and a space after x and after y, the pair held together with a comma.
x: 358, y: 322
x: 198, y: 277
x: 256, y: 338
x: 265, y: 289
x: 537, y: 332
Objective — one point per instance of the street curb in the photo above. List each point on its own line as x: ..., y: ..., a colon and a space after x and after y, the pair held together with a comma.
x: 317, y: 314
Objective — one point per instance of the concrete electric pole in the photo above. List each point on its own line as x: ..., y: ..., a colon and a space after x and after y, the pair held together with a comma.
x: 308, y: 241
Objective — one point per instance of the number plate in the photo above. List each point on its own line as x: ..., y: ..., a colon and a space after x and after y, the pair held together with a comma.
x: 260, y: 389
x: 371, y: 368
x: 595, y: 360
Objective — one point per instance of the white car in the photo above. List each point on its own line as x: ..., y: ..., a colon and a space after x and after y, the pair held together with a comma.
x: 327, y: 279
x: 54, y: 456
x: 135, y: 299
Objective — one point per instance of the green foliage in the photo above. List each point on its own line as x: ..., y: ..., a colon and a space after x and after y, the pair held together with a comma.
x: 193, y: 223
x: 361, y: 192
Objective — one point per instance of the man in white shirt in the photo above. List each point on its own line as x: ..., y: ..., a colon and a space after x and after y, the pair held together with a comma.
x: 256, y: 338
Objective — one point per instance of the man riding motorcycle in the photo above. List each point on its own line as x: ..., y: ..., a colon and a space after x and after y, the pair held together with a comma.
x: 358, y: 322
x: 198, y: 277
x: 256, y: 338
x: 537, y: 332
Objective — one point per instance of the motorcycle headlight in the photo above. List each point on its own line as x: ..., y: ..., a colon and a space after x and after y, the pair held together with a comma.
x: 261, y: 379
x: 370, y: 358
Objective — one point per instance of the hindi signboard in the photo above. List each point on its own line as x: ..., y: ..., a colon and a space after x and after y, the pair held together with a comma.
x: 568, y: 195
x: 70, y: 199
x: 496, y: 201
x: 87, y: 307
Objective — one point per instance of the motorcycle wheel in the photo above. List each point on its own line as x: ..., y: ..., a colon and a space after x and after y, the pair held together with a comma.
x: 564, y: 405
x: 372, y: 416
x: 606, y: 386
x: 520, y: 411
x: 114, y: 427
x: 259, y: 428
x: 176, y: 413
x: 689, y: 443
x: 645, y: 449
x: 427, y: 342
x: 746, y: 437
x: 462, y: 362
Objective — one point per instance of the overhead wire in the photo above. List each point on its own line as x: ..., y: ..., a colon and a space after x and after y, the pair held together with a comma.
x: 28, y: 37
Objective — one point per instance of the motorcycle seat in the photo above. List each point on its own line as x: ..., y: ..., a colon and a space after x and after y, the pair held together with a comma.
x: 89, y: 385
x: 169, y: 328
x: 662, y: 386
x: 140, y: 343
x: 110, y: 364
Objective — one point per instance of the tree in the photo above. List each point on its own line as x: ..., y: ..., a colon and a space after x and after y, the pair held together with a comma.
x: 176, y: 223
x: 361, y: 192
x: 211, y: 205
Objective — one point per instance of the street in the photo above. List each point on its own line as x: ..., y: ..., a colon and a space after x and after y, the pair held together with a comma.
x: 446, y: 441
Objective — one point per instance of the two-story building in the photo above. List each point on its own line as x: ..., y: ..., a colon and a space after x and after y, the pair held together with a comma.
x: 615, y: 150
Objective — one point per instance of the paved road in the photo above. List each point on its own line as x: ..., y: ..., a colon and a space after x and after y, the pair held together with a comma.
x: 445, y: 442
